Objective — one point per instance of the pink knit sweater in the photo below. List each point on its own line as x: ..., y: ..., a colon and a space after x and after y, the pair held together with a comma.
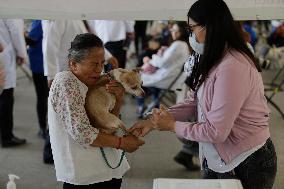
x: 234, y: 107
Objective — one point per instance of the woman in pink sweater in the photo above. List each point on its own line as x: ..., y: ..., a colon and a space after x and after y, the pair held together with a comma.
x: 227, y: 100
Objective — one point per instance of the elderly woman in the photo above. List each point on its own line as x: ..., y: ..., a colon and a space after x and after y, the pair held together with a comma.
x: 75, y: 143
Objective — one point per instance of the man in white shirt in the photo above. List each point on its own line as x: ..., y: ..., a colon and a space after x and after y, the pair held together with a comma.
x: 115, y: 36
x: 57, y: 37
x: 12, y: 38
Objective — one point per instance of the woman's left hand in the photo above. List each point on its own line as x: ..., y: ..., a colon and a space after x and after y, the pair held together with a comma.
x: 117, y: 89
x: 163, y: 120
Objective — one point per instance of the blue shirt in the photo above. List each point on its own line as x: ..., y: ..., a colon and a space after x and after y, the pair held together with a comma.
x: 253, y: 36
x: 35, y: 49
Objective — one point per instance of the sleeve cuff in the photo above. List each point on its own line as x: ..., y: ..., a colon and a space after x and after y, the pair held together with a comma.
x: 91, y: 139
x: 180, y: 129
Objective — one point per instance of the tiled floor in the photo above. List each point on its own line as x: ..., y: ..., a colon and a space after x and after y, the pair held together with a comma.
x: 153, y: 160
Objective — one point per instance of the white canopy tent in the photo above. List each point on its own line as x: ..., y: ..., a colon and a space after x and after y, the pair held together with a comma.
x: 132, y: 9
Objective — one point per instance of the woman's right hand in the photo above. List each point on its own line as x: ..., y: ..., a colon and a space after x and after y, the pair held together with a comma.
x: 130, y: 143
x: 141, y: 128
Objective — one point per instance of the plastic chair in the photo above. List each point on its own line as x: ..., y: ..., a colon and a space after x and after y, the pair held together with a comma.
x: 166, y: 96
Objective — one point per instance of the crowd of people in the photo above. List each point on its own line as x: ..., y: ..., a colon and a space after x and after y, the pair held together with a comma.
x: 223, y: 119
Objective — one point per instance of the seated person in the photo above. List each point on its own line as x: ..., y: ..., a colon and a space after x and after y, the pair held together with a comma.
x: 167, y: 65
x: 152, y: 48
x: 149, y: 68
x: 159, y: 37
x: 277, y: 36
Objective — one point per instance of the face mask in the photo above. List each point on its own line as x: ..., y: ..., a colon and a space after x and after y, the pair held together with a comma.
x: 197, y: 47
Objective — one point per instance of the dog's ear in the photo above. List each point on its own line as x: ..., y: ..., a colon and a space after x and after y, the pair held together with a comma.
x: 137, y: 70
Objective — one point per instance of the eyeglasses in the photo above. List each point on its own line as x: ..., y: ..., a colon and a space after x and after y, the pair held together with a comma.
x: 190, y: 28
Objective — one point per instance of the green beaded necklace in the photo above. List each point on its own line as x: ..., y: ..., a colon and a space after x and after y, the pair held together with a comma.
x: 121, y: 156
x: 108, y: 164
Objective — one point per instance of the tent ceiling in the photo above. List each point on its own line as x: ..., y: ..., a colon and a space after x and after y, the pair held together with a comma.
x: 132, y: 9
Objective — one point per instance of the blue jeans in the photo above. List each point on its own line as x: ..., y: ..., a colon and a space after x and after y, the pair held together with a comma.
x: 258, y: 171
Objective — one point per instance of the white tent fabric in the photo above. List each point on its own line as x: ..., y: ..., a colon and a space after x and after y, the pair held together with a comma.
x: 132, y: 9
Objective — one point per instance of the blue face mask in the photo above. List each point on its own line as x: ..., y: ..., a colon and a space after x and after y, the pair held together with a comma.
x: 197, y: 47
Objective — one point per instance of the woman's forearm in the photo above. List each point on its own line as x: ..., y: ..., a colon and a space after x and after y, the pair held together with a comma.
x: 106, y: 140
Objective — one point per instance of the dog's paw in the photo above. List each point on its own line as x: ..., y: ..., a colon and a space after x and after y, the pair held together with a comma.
x: 108, y: 131
x: 114, y: 124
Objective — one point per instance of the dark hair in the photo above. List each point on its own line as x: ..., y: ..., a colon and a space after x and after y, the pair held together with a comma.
x: 221, y: 33
x: 183, y: 31
x: 81, y: 46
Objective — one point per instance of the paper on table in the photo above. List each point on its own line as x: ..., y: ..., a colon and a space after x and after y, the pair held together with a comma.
x: 196, y: 184
x: 199, y: 185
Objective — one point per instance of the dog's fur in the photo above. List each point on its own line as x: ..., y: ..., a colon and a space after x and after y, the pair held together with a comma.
x: 99, y: 103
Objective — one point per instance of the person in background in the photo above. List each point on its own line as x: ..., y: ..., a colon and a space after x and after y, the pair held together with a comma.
x: 190, y: 148
x: 246, y: 35
x: 276, y: 38
x: 140, y: 36
x: 159, y: 71
x: 34, y: 41
x: 228, y: 99
x: 56, y: 41
x: 153, y: 46
x: 12, y: 38
x: 247, y: 26
x: 116, y: 36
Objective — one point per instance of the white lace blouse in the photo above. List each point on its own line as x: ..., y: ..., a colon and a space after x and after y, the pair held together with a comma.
x: 71, y: 134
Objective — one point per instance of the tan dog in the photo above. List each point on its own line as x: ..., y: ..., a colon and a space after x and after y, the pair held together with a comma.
x: 99, y: 102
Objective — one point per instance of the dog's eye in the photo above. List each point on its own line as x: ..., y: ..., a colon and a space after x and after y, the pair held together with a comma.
x: 133, y: 88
